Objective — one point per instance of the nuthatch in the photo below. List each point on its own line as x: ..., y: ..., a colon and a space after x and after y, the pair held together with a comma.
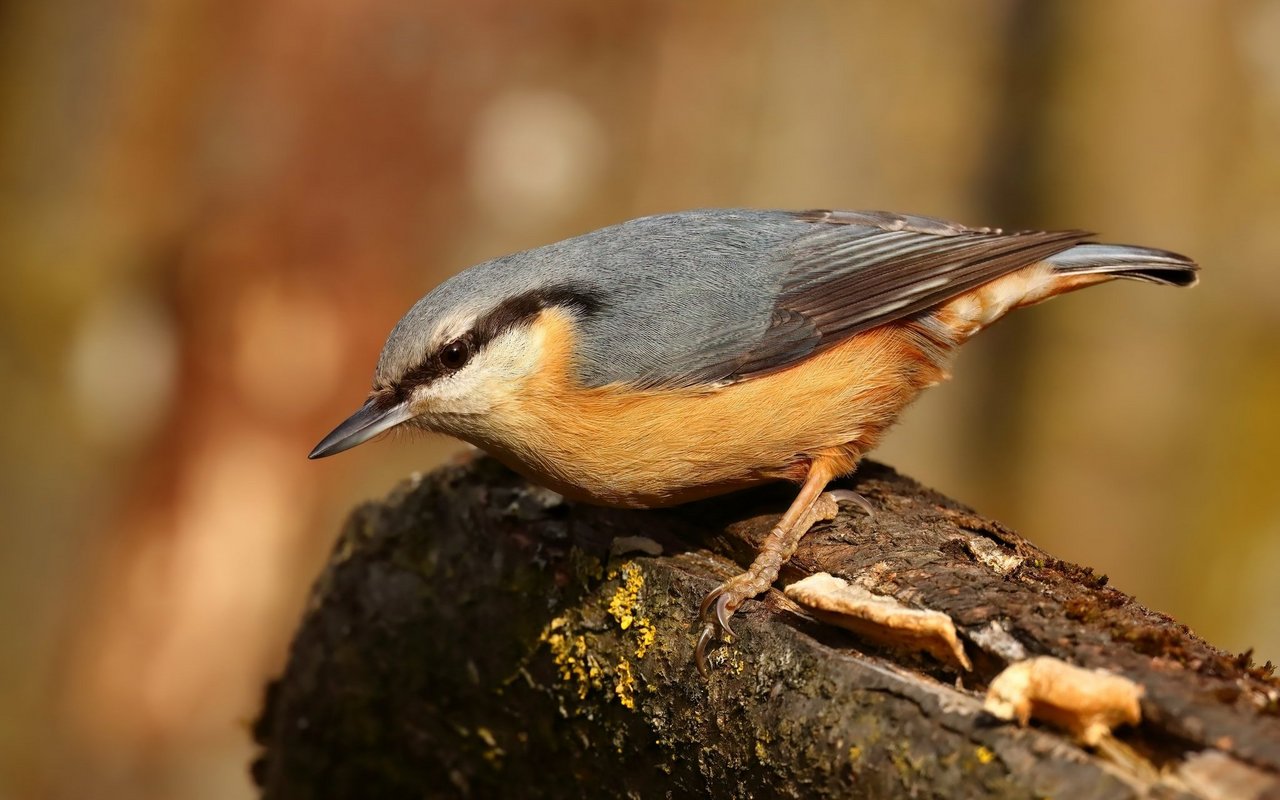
x: 675, y: 357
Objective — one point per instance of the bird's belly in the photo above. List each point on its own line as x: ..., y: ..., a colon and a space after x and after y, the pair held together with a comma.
x: 618, y: 446
x: 624, y: 485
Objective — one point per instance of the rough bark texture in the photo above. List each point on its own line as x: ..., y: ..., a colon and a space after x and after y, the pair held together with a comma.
x: 473, y: 636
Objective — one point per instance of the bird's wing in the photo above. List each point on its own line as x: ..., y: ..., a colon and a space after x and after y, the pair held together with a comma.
x: 855, y: 270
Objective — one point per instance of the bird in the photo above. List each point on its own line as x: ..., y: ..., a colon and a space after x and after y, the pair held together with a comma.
x: 680, y: 356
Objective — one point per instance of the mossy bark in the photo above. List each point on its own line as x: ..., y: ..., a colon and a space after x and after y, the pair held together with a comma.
x: 474, y: 636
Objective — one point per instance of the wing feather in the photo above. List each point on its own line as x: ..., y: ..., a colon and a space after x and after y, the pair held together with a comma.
x: 858, y: 270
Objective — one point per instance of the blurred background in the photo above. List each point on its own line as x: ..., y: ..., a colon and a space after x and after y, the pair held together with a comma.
x: 213, y: 211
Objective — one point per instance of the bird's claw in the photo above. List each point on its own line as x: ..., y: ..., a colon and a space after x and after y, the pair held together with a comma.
x: 718, y: 599
x: 700, y: 652
x: 716, y: 609
x: 850, y: 496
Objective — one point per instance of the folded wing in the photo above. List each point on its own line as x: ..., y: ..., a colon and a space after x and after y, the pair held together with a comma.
x: 856, y: 270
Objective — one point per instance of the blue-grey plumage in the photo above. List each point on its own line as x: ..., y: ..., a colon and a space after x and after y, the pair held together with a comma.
x: 680, y: 356
x: 681, y: 288
x: 715, y: 295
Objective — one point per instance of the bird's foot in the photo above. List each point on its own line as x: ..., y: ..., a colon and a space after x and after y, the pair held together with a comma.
x: 716, y: 609
x: 721, y: 603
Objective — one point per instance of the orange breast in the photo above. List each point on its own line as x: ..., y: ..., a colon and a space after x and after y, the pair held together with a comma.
x: 618, y: 446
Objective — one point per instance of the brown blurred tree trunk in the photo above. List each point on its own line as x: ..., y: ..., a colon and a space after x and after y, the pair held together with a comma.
x: 473, y: 636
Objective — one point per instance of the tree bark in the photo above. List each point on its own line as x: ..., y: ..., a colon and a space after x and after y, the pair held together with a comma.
x: 472, y: 635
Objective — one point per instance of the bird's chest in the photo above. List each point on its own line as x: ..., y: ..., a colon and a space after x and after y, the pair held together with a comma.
x: 618, y: 446
x: 626, y: 451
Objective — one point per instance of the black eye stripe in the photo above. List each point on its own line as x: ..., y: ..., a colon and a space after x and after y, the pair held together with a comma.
x: 512, y: 313
x: 523, y: 308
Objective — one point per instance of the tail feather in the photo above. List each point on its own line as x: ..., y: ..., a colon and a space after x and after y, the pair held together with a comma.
x: 1126, y: 261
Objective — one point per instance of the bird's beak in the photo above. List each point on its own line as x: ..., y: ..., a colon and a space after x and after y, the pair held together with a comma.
x: 371, y: 420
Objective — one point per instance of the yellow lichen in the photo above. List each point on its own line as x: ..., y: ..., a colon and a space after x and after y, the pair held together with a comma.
x: 901, y: 763
x: 855, y: 753
x: 646, y: 636
x: 985, y: 756
x: 625, y: 685
x: 570, y: 655
x: 586, y: 566
x: 493, y: 753
x: 623, y: 603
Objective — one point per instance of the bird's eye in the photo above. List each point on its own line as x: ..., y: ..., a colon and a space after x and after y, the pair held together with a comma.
x: 455, y: 354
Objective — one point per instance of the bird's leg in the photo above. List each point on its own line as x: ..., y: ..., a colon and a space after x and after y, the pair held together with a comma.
x: 807, y: 509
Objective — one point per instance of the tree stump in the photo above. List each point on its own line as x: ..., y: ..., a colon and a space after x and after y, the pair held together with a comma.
x: 477, y: 636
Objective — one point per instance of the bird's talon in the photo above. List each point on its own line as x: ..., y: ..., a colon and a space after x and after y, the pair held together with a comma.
x: 723, y: 612
x: 700, y: 652
x: 716, y: 609
x: 850, y: 496
x: 708, y: 600
x: 723, y: 605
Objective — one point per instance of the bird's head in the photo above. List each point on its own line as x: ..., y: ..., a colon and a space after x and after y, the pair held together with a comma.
x: 458, y: 354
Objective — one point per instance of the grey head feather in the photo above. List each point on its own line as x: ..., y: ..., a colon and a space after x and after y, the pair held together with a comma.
x: 704, y: 298
x: 676, y: 289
